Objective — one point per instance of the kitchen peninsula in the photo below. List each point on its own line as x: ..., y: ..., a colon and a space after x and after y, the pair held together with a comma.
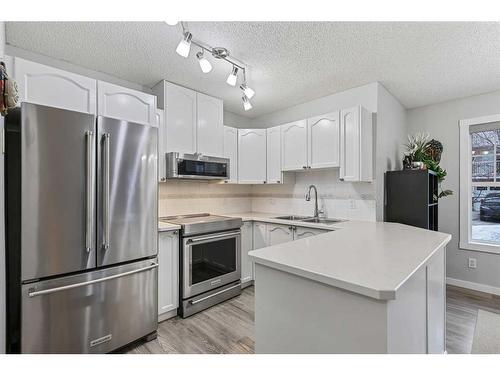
x: 366, y: 287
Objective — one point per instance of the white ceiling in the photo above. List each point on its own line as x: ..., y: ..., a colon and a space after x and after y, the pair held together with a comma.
x: 290, y: 62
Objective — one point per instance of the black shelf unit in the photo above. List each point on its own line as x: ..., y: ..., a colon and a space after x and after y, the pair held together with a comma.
x: 411, y: 198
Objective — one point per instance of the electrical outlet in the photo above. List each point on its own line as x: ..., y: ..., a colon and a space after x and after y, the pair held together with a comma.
x: 472, y: 263
x: 352, y: 204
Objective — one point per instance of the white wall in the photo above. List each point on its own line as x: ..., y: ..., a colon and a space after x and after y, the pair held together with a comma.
x: 441, y: 121
x: 2, y: 226
x: 364, y: 95
x: 391, y: 133
x: 236, y: 121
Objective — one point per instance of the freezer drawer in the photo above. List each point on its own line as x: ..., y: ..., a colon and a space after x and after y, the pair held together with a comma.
x: 95, y: 312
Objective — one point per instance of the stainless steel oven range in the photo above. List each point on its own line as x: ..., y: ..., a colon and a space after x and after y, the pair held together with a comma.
x: 210, y: 264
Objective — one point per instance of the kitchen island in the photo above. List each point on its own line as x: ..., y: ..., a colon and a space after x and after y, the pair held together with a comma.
x: 365, y: 287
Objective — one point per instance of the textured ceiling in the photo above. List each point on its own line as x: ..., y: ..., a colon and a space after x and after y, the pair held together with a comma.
x: 290, y: 62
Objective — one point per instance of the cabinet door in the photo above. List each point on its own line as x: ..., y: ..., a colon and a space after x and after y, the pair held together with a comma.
x: 294, y: 145
x: 436, y: 304
x: 252, y: 156
x: 274, y: 155
x: 125, y: 104
x: 259, y: 235
x: 40, y: 84
x: 303, y: 232
x: 246, y: 246
x: 180, y: 119
x: 210, y: 133
x: 231, y: 152
x: 323, y: 140
x: 349, y: 144
x: 277, y: 233
x: 168, y: 272
x: 162, y: 144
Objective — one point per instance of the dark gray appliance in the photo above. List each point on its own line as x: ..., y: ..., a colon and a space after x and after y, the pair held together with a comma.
x: 210, y: 265
x: 196, y: 166
x: 81, y: 210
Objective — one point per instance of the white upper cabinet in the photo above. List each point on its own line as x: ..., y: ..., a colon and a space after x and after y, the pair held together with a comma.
x: 125, y: 104
x: 356, y: 145
x: 323, y: 141
x: 252, y: 156
x: 53, y: 87
x: 274, y: 174
x: 210, y: 137
x: 168, y: 272
x: 277, y: 233
x: 162, y: 140
x: 294, y: 145
x: 231, y: 152
x: 180, y: 119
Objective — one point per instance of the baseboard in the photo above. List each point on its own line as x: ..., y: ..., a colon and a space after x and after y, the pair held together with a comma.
x: 474, y: 286
x: 167, y: 315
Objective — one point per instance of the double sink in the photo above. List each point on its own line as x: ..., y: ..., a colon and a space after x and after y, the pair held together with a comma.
x: 309, y: 219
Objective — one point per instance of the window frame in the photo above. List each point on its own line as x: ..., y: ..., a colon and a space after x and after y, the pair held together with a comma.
x: 465, y: 219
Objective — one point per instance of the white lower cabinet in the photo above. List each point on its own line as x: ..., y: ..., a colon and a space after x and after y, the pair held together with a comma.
x: 246, y: 246
x: 168, y: 274
x: 259, y: 235
x: 278, y: 233
x: 303, y: 232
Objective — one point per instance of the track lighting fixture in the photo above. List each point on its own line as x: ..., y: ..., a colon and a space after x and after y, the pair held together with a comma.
x: 249, y: 93
x: 232, y: 78
x: 171, y: 22
x: 246, y: 103
x: 218, y: 53
x: 205, y: 65
x: 184, y: 45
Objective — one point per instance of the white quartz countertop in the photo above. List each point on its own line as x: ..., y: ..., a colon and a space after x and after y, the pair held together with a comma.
x: 167, y: 227
x: 369, y: 258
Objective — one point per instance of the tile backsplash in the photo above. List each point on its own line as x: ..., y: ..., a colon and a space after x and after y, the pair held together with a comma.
x: 338, y: 199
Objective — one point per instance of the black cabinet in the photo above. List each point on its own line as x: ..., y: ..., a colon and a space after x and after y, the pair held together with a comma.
x: 411, y: 197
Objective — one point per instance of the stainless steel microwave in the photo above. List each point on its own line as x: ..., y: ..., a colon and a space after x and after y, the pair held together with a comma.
x: 196, y: 166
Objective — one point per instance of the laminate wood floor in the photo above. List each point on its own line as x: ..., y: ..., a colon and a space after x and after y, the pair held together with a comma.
x: 228, y: 327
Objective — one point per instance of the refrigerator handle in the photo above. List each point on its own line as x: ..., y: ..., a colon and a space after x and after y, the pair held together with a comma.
x: 106, y: 231
x: 89, y: 190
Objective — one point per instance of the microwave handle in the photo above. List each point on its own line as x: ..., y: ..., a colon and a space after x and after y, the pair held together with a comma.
x: 213, y: 237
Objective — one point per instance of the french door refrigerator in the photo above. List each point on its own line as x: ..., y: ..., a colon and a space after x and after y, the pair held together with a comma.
x: 81, y: 231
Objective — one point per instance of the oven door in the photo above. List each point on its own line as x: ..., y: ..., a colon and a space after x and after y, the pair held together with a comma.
x: 210, y: 261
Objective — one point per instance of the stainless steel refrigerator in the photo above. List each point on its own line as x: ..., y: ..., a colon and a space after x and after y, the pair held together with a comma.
x: 81, y: 231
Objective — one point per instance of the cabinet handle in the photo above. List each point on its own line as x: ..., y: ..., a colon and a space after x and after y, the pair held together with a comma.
x: 304, y: 167
x: 264, y: 182
x: 278, y: 182
x: 308, y: 167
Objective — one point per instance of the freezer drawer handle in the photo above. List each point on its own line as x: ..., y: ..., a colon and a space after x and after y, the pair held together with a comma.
x: 194, y: 302
x: 89, y: 203
x: 85, y: 283
x: 215, y: 237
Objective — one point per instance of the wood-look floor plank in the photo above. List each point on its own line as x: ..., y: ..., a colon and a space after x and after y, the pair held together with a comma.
x: 229, y: 327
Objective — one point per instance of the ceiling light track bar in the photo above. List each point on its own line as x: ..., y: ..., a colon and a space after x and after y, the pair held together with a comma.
x: 220, y: 53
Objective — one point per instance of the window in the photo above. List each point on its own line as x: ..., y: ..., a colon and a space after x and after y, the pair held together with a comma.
x: 480, y: 184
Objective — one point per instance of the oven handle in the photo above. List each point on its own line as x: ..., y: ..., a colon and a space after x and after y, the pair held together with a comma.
x: 213, y: 237
x: 194, y: 302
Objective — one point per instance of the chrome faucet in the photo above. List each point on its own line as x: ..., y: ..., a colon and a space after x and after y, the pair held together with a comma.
x: 308, y: 198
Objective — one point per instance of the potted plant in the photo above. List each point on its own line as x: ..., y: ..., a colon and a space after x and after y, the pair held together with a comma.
x: 424, y: 154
